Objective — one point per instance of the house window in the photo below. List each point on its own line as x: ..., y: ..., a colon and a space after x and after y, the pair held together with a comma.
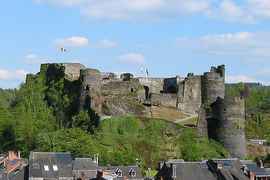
x: 36, y: 166
x: 132, y: 173
x: 46, y: 168
x: 55, y: 168
x: 118, y: 172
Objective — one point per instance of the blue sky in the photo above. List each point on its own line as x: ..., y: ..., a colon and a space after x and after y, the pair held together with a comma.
x: 169, y: 37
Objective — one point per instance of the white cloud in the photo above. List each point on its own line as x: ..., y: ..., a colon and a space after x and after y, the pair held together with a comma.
x: 132, y: 58
x: 248, y: 11
x: 67, y: 3
x: 105, y: 43
x: 133, y: 9
x: 74, y: 41
x: 34, y: 59
x: 120, y: 9
x: 240, y: 44
x: 4, y: 74
x: 12, y: 74
x: 259, y: 8
x: 240, y: 78
x: 31, y: 56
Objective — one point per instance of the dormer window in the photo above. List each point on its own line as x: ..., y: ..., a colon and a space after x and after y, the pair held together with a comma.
x: 132, y: 173
x: 36, y: 166
x: 46, y: 168
x: 55, y: 168
x: 118, y: 172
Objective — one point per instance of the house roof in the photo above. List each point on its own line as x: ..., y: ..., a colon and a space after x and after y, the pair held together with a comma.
x: 17, y: 175
x: 50, y: 164
x: 84, y: 164
x: 227, y: 169
x: 193, y: 171
x: 259, y: 172
x: 231, y: 169
x: 125, y: 171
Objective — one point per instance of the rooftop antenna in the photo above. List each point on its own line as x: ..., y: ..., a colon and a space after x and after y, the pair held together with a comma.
x: 96, y: 158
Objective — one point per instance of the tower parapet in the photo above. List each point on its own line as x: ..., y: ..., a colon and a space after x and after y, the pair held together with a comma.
x: 70, y: 70
x: 213, y: 85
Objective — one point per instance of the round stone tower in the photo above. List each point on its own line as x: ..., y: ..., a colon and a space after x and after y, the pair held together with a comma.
x: 212, y: 89
x: 91, y: 88
x: 227, y: 125
x: 213, y: 85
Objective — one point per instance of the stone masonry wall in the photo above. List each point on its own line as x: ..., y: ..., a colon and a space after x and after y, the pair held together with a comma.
x: 228, y: 118
x: 155, y: 85
x: 168, y: 100
x: 189, y: 95
x: 213, y: 85
x: 91, y: 90
x: 72, y: 70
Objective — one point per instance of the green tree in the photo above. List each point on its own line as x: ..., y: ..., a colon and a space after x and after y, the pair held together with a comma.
x: 7, y: 133
x: 73, y: 140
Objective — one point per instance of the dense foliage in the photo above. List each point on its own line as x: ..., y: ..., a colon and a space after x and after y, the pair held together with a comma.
x: 257, y: 108
x: 129, y: 140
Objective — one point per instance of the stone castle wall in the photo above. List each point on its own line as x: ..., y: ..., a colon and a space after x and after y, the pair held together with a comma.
x: 189, y: 94
x: 155, y: 85
x: 91, y: 90
x: 168, y: 99
x: 72, y: 71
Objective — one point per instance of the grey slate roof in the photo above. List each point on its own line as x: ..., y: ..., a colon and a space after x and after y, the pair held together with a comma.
x: 17, y: 175
x: 38, y: 161
x: 84, y: 164
x: 259, y: 172
x: 193, y: 171
x: 222, y: 169
x: 231, y: 169
x: 125, y: 171
x: 84, y: 167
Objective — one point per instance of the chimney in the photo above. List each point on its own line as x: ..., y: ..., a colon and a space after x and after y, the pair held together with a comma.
x: 19, y: 154
x: 252, y: 176
x: 261, y: 164
x: 219, y: 166
x: 161, y: 165
x: 96, y: 159
x: 174, y: 171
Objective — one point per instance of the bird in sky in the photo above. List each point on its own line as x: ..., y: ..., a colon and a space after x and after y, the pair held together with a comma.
x: 62, y: 49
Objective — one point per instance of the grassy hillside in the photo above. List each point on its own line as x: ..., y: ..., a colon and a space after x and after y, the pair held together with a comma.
x: 130, y: 140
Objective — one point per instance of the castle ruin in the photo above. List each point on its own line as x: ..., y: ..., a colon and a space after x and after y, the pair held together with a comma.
x: 220, y: 117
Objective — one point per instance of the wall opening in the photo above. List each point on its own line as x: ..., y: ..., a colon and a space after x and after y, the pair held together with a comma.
x: 146, y: 90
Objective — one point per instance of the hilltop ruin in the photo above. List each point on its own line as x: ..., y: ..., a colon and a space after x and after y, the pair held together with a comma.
x: 220, y: 117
